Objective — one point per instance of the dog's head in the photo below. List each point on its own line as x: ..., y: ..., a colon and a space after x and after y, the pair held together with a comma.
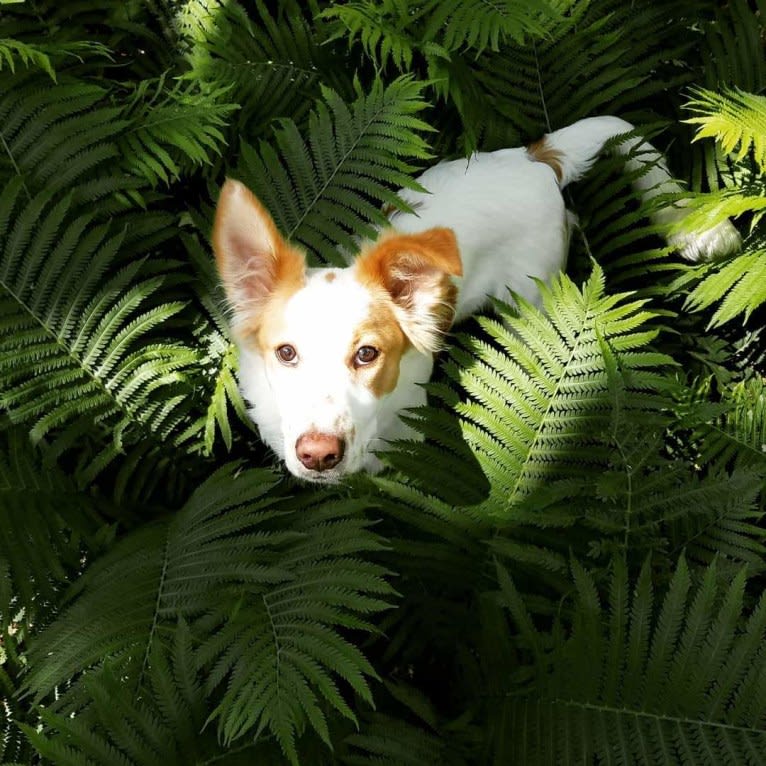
x: 329, y: 356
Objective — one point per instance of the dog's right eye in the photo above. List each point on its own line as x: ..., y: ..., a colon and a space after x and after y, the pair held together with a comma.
x: 287, y: 354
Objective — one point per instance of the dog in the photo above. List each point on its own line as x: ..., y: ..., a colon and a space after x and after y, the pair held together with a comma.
x: 329, y: 357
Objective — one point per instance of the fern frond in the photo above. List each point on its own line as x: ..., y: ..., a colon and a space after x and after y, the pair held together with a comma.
x: 384, y: 29
x: 220, y: 362
x: 70, y: 342
x: 163, y: 726
x: 270, y: 62
x: 481, y: 24
x: 46, y: 523
x: 322, y: 192
x: 732, y: 117
x: 175, y: 566
x: 738, y: 434
x: 13, y: 748
x: 56, y: 138
x: 733, y: 39
x: 738, y: 284
x: 642, y: 681
x: 537, y: 402
x: 13, y: 51
x: 174, y: 127
x: 606, y: 52
x: 242, y: 568
x: 387, y: 741
x: 280, y: 673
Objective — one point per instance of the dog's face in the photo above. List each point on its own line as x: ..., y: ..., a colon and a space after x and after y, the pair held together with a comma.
x: 328, y: 357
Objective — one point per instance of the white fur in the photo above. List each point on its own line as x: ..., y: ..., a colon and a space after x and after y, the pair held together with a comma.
x: 511, y: 224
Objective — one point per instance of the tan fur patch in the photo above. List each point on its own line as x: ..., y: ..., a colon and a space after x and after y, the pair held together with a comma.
x: 414, y: 271
x: 382, y: 331
x: 266, y: 329
x: 541, y: 151
x: 436, y: 248
x: 330, y: 276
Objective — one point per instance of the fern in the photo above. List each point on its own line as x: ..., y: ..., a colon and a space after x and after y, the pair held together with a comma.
x: 277, y: 670
x: 220, y: 362
x: 480, y: 24
x: 601, y: 50
x: 157, y: 610
x: 669, y: 682
x: 59, y: 138
x: 46, y: 523
x: 164, y: 726
x: 270, y: 64
x: 536, y: 404
x: 733, y: 118
x: 80, y: 352
x: 738, y: 433
x: 12, y: 51
x: 385, y: 30
x: 354, y: 157
x: 737, y: 284
x: 180, y: 120
x: 230, y: 562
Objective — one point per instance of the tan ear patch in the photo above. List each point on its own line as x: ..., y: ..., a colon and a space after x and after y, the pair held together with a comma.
x: 414, y: 271
x: 253, y: 259
x: 382, y: 331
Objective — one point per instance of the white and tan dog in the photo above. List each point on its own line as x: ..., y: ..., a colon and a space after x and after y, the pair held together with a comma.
x: 329, y: 356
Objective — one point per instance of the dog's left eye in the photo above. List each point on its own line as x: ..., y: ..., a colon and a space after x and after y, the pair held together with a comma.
x: 287, y: 354
x: 366, y: 355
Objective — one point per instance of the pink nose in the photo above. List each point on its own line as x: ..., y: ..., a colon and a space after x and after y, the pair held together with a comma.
x: 319, y: 452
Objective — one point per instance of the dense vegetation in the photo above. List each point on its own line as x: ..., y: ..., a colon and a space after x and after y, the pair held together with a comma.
x: 569, y: 569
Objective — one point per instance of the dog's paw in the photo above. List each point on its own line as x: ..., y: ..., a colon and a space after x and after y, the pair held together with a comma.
x: 721, y: 239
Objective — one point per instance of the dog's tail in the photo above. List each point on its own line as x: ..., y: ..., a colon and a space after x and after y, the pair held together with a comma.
x: 573, y: 150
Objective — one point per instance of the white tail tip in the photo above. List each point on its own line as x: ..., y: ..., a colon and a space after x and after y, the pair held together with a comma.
x: 720, y: 240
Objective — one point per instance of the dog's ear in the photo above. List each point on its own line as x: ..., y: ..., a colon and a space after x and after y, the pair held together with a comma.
x: 415, y: 270
x: 253, y: 258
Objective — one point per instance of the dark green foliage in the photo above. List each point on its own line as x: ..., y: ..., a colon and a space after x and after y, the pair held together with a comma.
x: 567, y: 568
x: 643, y: 679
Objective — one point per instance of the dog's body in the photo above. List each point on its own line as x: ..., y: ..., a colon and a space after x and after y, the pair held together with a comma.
x: 329, y: 357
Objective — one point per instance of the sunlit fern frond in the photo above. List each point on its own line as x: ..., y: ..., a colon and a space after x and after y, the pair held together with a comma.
x: 325, y: 190
x: 75, y: 339
x: 539, y: 396
x: 737, y: 284
x: 734, y: 118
